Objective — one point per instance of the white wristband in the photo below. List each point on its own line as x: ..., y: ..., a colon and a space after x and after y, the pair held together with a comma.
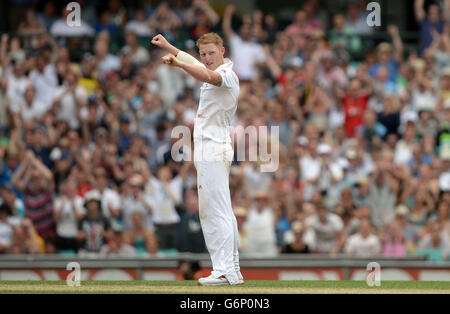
x: 187, y: 58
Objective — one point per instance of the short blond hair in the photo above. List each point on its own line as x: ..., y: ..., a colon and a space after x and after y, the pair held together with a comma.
x: 210, y: 38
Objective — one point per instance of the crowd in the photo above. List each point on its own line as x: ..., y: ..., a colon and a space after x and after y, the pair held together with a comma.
x: 364, y: 132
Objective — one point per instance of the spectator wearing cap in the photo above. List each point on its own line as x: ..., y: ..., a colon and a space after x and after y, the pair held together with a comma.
x: 260, y: 228
x: 93, y: 229
x: 111, y: 201
x: 68, y: 210
x: 189, y: 233
x: 295, y: 239
x: 364, y: 243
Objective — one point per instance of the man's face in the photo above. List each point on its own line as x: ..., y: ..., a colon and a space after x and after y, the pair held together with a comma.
x: 434, y: 13
x: 211, y: 55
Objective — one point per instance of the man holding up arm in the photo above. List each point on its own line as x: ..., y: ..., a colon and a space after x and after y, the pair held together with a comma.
x: 213, y: 151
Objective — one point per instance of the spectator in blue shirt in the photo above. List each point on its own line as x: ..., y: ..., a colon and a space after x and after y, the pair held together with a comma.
x: 429, y: 21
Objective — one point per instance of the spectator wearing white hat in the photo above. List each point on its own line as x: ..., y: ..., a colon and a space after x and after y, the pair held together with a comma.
x: 93, y: 229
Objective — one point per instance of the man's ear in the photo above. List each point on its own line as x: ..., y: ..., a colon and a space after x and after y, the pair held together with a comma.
x: 222, y: 50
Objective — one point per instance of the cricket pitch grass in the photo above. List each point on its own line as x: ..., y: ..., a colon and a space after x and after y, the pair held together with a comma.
x: 250, y: 287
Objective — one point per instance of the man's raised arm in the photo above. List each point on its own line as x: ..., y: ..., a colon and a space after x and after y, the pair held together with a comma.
x: 199, y: 72
x: 185, y: 61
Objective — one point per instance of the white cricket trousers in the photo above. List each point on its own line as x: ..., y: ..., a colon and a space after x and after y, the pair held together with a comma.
x: 219, y: 225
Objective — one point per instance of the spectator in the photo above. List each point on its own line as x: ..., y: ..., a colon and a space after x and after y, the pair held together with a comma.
x: 164, y: 21
x: 116, y: 247
x: 364, y: 243
x: 166, y: 194
x: 26, y: 240
x: 35, y: 181
x: 93, y: 229
x: 433, y: 244
x: 296, y: 244
x: 344, y: 36
x: 389, y: 55
x: 137, y: 54
x: 110, y: 199
x: 395, y: 241
x: 260, y: 228
x: 68, y: 210
x: 189, y: 233
x: 201, y: 18
x: 6, y: 230
x: 134, y: 199
x: 139, y: 25
x: 8, y: 197
x: 325, y: 231
x: 429, y: 21
x: 141, y: 238
x: 44, y: 81
x: 382, y: 198
x: 244, y: 53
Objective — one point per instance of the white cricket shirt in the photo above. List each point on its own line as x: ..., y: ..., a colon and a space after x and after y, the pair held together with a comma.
x: 217, y: 107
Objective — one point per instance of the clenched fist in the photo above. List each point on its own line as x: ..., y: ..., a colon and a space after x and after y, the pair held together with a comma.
x: 170, y: 60
x: 160, y: 41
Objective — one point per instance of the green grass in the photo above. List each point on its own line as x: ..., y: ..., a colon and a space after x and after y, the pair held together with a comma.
x: 251, y: 286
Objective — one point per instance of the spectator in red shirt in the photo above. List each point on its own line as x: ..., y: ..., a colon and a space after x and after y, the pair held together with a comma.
x: 354, y: 103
